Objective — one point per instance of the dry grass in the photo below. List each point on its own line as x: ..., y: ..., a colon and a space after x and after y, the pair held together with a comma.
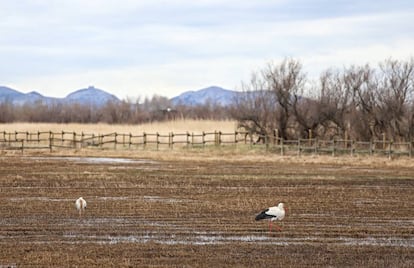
x: 187, y: 211
x: 177, y: 126
x: 229, y: 153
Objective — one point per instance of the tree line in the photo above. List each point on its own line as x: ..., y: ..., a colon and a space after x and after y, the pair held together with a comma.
x: 358, y: 102
x: 156, y: 108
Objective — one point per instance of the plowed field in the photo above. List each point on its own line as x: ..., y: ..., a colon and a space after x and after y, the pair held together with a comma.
x: 200, y: 213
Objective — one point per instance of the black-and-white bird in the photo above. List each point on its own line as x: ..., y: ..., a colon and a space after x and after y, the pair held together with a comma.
x: 80, y: 204
x: 273, y: 214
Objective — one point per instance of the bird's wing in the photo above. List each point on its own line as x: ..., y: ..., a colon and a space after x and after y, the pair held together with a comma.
x: 276, y: 212
x: 264, y: 215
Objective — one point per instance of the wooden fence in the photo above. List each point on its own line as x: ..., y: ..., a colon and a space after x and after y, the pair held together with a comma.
x: 155, y: 141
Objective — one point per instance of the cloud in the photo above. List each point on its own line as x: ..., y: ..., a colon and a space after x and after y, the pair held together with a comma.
x: 163, y: 46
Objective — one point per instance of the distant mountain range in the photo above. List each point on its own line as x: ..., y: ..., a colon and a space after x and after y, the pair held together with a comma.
x: 98, y: 97
x: 90, y: 96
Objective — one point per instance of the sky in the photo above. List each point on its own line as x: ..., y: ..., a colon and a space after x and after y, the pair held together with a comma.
x: 135, y: 49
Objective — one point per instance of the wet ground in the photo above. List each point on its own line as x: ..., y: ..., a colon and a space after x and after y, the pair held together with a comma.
x: 145, y: 212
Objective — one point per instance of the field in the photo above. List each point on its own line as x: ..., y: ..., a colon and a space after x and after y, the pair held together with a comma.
x: 197, y: 209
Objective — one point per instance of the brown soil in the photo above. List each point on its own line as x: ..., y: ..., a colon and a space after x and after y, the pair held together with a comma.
x: 200, y: 213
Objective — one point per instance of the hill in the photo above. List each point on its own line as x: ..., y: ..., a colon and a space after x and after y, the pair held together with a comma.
x: 213, y: 94
x: 89, y: 96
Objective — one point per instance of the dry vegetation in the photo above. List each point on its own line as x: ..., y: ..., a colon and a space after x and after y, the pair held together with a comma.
x: 196, y: 209
x: 177, y: 126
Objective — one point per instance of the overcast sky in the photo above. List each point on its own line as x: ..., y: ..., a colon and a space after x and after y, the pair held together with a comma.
x: 137, y: 48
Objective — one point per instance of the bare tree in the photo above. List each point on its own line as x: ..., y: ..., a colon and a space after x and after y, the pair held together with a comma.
x: 267, y: 101
x: 286, y: 81
x: 335, y: 103
x: 255, y: 107
x: 360, y: 81
x: 395, y: 93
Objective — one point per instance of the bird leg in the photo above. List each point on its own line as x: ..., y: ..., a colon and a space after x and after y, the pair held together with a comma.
x: 276, y: 226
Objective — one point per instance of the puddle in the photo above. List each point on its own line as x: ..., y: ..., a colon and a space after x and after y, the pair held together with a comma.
x: 155, y: 198
x: 205, y: 239
x: 379, y: 241
x: 40, y: 198
x: 114, y: 198
x: 189, y: 237
x: 108, y: 160
x: 97, y: 160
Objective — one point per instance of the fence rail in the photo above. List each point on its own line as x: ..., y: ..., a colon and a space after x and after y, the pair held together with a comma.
x: 48, y: 140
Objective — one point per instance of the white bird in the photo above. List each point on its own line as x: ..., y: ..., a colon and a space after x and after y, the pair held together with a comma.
x: 273, y: 214
x: 80, y: 204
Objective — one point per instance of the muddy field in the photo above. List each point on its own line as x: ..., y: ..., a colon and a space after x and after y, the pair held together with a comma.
x: 150, y: 213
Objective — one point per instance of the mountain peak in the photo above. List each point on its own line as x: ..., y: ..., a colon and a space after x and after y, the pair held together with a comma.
x: 91, y: 95
x: 213, y: 94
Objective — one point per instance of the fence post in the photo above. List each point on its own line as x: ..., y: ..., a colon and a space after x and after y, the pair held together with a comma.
x: 219, y: 138
x: 158, y: 140
x: 74, y: 140
x: 299, y: 147
x: 371, y: 147
x: 235, y: 138
x: 333, y: 147
x: 144, y: 140
x: 282, y: 153
x: 50, y: 140
x: 115, y: 141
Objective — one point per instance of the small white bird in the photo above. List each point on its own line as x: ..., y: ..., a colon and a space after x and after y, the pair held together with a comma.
x: 273, y: 214
x: 80, y: 204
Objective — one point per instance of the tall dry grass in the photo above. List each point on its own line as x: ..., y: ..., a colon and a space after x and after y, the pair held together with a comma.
x: 230, y: 153
x: 176, y: 126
